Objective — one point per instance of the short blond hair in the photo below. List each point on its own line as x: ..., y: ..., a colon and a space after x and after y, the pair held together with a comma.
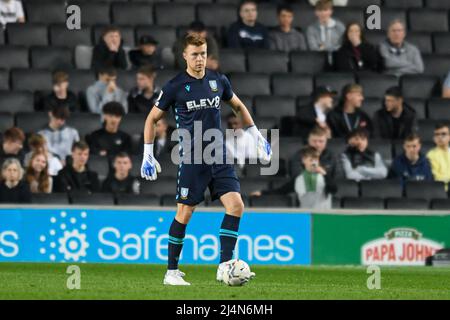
x: 194, y: 40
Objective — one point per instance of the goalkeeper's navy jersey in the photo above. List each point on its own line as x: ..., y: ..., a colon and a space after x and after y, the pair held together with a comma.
x: 196, y: 100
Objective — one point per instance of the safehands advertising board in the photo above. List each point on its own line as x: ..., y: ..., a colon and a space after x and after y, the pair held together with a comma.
x: 140, y: 236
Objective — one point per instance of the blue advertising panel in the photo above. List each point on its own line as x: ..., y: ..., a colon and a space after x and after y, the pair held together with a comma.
x: 140, y: 236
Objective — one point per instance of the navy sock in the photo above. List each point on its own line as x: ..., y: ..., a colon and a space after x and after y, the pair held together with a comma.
x: 228, y: 236
x: 176, y: 238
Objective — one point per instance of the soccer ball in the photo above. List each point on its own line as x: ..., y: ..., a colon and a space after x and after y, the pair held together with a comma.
x: 237, y: 273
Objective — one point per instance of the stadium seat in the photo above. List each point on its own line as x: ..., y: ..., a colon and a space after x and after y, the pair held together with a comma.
x: 16, y: 101
x: 132, y: 13
x: 426, y: 129
x: 263, y: 61
x: 363, y: 203
x: 287, y: 146
x: 208, y: 13
x: 383, y: 147
x: 292, y: 84
x: 4, y: 79
x: 347, y: 189
x: 80, y: 80
x: 381, y: 189
x: 272, y: 201
x: 50, y: 198
x: 234, y: 2
x: 335, y: 80
x: 126, y: 32
x: 375, y: 85
x: 250, y: 83
x: 60, y: 36
x: 133, y: 123
x: 31, y: 122
x: 437, y: 4
x: 363, y: 3
x: 100, y: 165
x: 390, y: 14
x: 428, y: 20
x: 438, y: 109
x: 6, y: 120
x: 31, y: 80
x: 27, y: 34
x: 419, y: 105
x: 440, y: 204
x: 248, y: 185
x: 266, y: 122
x: 124, y: 199
x: 347, y: 15
x: 267, y: 14
x: 168, y: 200
x: 308, y: 62
x: 437, y: 64
x: 85, y: 123
x: 303, y: 16
x: 257, y: 170
x: 174, y: 14
x: 232, y: 60
x: 99, y: 199
x: 163, y: 76
x: 371, y: 105
x: 126, y: 79
x: 336, y: 146
x: 160, y: 187
x: 94, y: 12
x: 419, y: 86
x: 169, y: 169
x: 51, y: 58
x: 375, y: 37
x: 403, y: 4
x: 46, y: 12
x: 425, y: 190
x: 277, y: 106
x: 166, y: 36
x: 83, y: 57
x: 441, y: 41
x: 422, y: 40
x: 407, y: 204
x: 2, y: 37
x: 13, y: 57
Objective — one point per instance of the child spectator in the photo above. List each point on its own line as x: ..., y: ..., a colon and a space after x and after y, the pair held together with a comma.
x: 439, y: 156
x: 60, y: 95
x: 120, y: 181
x: 148, y: 53
x: 38, y: 144
x: 142, y: 98
x: 285, y: 37
x: 12, y: 145
x: 37, y: 174
x: 11, y: 11
x: 109, y: 53
x: 446, y: 87
x: 12, y: 188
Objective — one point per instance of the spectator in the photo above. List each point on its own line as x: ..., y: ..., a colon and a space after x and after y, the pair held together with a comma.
x: 446, y: 87
x: 37, y: 174
x: 12, y: 145
x: 105, y: 90
x: 12, y: 187
x: 11, y: 11
x: 348, y: 116
x: 60, y: 95
x: 247, y: 33
x: 109, y: 53
x: 285, y: 37
x: 313, y: 114
x: 109, y: 140
x: 142, y: 98
x: 439, y: 156
x: 356, y: 54
x: 399, y: 56
x: 38, y: 144
x: 396, y: 120
x: 411, y: 165
x: 76, y: 176
x: 325, y: 34
x: 148, y: 53
x: 120, y: 181
x: 337, y: 3
x: 58, y: 135
x: 359, y: 162
x: 163, y: 144
x: 198, y: 28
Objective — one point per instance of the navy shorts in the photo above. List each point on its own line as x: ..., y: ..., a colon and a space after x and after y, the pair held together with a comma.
x: 193, y: 179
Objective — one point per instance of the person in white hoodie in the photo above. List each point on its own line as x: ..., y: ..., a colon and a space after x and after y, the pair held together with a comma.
x: 11, y: 11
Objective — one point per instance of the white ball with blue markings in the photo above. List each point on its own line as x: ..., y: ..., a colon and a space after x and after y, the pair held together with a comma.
x: 237, y: 273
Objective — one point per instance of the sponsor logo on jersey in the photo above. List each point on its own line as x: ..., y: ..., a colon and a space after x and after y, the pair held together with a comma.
x: 188, y: 88
x: 203, y: 104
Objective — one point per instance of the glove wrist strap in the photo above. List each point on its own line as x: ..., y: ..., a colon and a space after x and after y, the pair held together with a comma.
x: 148, y: 148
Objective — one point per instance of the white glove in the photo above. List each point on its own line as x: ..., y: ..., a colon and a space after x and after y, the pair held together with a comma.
x: 150, y: 166
x: 263, y: 149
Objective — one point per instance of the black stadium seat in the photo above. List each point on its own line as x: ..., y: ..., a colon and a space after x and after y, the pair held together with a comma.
x: 6, y: 120
x: 267, y: 14
x: 133, y: 123
x: 406, y: 204
x: 80, y: 80
x: 390, y: 14
x: 375, y: 85
x: 46, y: 12
x: 27, y: 34
x: 419, y: 105
x: 2, y: 37
x: 419, y: 86
x: 31, y: 80
x: 146, y: 200
x: 209, y: 13
x: 303, y: 16
x: 94, y: 12
x: 422, y: 40
x: 426, y: 129
x: 267, y: 61
x: 250, y: 83
x: 438, y: 109
x: 99, y: 199
x: 347, y: 15
x: 437, y: 4
x: 232, y: 60
x: 52, y: 58
x: 381, y: 189
x: 371, y: 105
x: 174, y: 14
x: 166, y: 36
x: 335, y: 80
x: 132, y: 13
x: 436, y: 64
x: 4, y: 79
x: 99, y: 164
x: 50, y: 198
x: 440, y: 204
x: 248, y: 185
x: 308, y: 62
x: 277, y: 106
x: 291, y: 84
x: 428, y: 20
x: 441, y: 42
x: 31, y: 122
x: 375, y: 37
x: 347, y: 189
x: 14, y: 57
x: 85, y: 123
x: 60, y: 36
x: 425, y: 190
x: 16, y: 101
x: 363, y: 3
x: 271, y: 201
x: 126, y: 79
x: 160, y: 187
x: 403, y: 4
x: 363, y: 203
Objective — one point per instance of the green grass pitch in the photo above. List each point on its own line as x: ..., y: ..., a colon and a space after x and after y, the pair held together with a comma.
x: 112, y: 281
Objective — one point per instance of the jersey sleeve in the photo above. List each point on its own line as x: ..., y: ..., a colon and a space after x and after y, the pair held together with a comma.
x: 166, y: 97
x: 227, y: 90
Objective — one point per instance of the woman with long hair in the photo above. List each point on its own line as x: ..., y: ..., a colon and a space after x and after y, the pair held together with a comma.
x: 37, y: 174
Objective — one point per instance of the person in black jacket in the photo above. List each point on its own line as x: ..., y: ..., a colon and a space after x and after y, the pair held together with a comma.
x: 109, y: 51
x: 396, y: 120
x: 348, y: 116
x: 148, y: 53
x: 143, y: 97
x: 119, y: 179
x: 356, y: 54
x: 61, y: 96
x: 76, y: 176
x: 13, y: 189
x: 109, y: 140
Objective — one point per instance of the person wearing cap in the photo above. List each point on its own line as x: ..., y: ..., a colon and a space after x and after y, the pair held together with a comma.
x: 61, y: 95
x: 396, y: 119
x: 143, y: 97
x: 109, y: 51
x: 147, y: 53
x: 314, y: 114
x: 348, y: 116
x: 199, y: 28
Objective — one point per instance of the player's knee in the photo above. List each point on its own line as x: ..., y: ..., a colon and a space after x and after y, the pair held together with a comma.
x: 184, y: 213
x: 236, y: 208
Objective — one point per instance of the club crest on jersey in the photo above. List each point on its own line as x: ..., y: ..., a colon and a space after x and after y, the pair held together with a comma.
x: 184, y: 193
x: 213, y: 85
x: 188, y: 88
